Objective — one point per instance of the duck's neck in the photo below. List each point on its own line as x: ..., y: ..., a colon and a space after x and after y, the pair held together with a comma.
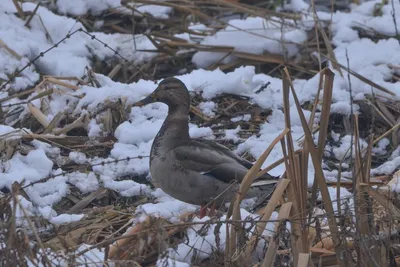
x: 174, y: 131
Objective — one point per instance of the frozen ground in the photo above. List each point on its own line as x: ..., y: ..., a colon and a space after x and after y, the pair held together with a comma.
x: 374, y: 60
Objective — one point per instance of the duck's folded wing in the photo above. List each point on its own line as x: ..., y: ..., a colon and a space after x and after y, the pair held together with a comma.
x: 226, y: 151
x: 205, y: 159
x: 231, y: 155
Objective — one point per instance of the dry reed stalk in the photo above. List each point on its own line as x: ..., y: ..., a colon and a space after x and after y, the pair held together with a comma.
x: 61, y: 83
x: 304, y: 259
x: 83, y: 203
x: 304, y: 173
x: 78, y: 123
x: 198, y: 47
x: 327, y: 99
x: 234, y: 64
x: 129, y: 235
x: 17, y: 95
x: 349, y: 184
x: 316, y: 26
x: 36, y: 88
x: 385, y: 111
x: 114, y: 71
x: 394, y: 128
x: 326, y: 107
x: 9, y: 50
x: 264, y: 58
x: 321, y: 179
x: 66, y: 78
x: 364, y: 227
x: 305, y: 154
x: 215, y: 64
x: 300, y: 140
x: 270, y: 254
x: 42, y: 94
x: 244, y: 187
x: 275, y: 164
x: 380, y: 113
x: 162, y: 36
x: 389, y: 117
x: 19, y: 9
x: 54, y: 122
x: 384, y: 201
x: 197, y: 111
x: 40, y: 136
x: 323, y: 130
x: 46, y: 261
x: 297, y: 190
x: 28, y: 21
x: 162, y: 46
x: 329, y: 47
x: 151, y: 238
x: 266, y: 215
x: 323, y: 247
x: 368, y: 161
x: 41, y: 118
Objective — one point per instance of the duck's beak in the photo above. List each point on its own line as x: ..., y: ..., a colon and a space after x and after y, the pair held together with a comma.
x: 147, y: 100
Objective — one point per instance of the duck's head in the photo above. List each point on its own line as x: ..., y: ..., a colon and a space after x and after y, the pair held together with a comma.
x: 170, y: 91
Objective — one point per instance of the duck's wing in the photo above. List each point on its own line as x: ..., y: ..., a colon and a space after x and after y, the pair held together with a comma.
x: 226, y: 151
x: 234, y: 156
x: 215, y: 160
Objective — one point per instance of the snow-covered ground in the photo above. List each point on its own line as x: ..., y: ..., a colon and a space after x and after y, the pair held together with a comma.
x: 375, y: 60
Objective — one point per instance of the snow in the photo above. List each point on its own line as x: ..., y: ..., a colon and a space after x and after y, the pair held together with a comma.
x: 85, y: 182
x: 82, y: 7
x: 362, y: 16
x: 380, y: 149
x: 252, y: 35
x: 343, y: 150
x: 375, y: 66
x: 207, y: 108
x: 75, y: 51
x: 93, y: 257
x: 194, y: 37
x: 394, y: 184
x: 345, y: 195
x: 10, y: 133
x: 77, y: 157
x: 161, y: 12
x: 25, y: 207
x: 202, y: 245
x: 245, y: 117
x: 30, y: 168
x: 170, y: 262
x: 268, y: 132
x: 232, y: 134
x: 297, y: 6
x: 96, y: 7
x: 134, y: 136
x: 390, y: 165
x: 167, y: 207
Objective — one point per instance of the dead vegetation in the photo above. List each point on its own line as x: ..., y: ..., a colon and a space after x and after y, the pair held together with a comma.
x: 322, y: 232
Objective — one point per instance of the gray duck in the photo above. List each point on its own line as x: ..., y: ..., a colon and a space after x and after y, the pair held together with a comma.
x: 195, y: 171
